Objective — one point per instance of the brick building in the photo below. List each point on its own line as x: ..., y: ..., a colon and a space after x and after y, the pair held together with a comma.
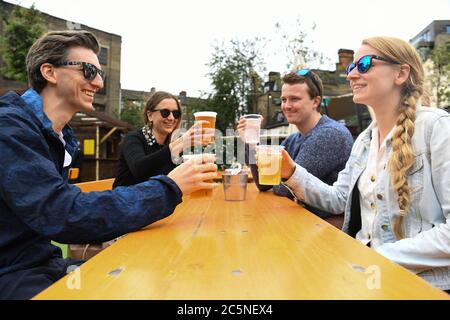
x: 108, y: 99
x: 98, y: 132
x: 435, y: 35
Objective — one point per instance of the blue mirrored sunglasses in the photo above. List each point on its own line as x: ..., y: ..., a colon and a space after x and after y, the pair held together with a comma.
x: 303, y: 72
x: 307, y: 73
x: 365, y: 62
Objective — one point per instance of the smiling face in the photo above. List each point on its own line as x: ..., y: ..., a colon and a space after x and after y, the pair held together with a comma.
x: 76, y: 92
x: 164, y: 126
x: 377, y: 84
x: 296, y: 103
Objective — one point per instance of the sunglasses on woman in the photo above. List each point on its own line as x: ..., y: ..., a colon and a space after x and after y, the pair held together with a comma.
x: 166, y: 112
x: 89, y: 70
x: 365, y: 62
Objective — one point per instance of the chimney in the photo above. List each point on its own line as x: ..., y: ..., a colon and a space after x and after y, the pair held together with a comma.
x: 274, y: 76
x: 182, y: 97
x: 345, y: 58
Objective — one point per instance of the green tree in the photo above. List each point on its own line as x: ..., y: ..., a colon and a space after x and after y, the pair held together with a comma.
x: 233, y: 70
x: 439, y: 74
x: 132, y: 113
x: 21, y: 29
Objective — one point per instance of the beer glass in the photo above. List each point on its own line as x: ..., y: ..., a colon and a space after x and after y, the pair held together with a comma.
x: 209, y: 116
x: 269, y: 164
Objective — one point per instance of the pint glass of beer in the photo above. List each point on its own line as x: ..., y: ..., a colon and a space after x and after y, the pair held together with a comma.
x: 200, y: 158
x: 269, y: 164
x: 209, y: 116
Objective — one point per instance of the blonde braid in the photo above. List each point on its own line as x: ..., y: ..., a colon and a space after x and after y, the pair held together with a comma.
x: 402, y: 157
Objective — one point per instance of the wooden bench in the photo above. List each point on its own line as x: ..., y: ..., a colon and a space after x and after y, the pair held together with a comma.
x: 99, y: 185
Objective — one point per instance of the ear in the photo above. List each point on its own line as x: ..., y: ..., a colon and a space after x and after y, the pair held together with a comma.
x: 317, y: 101
x: 402, y: 74
x: 48, y: 72
x: 149, y: 116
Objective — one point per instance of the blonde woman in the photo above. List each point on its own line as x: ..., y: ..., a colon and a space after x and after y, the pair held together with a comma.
x: 395, y: 188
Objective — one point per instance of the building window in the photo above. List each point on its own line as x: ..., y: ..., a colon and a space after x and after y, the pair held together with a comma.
x: 275, y: 87
x: 447, y: 28
x: 99, y: 107
x: 103, y: 56
x: 279, y: 117
x: 89, y: 147
x: 110, y: 150
x: 103, y: 90
x: 276, y: 101
x: 342, y: 78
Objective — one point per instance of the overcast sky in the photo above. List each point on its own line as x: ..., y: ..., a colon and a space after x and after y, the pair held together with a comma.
x: 166, y: 44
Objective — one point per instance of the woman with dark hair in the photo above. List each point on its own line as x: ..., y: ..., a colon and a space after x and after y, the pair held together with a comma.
x: 150, y: 150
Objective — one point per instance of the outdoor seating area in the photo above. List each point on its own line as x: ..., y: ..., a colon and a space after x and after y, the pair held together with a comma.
x: 201, y: 153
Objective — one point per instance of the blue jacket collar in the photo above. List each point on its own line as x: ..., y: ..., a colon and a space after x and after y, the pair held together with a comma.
x: 34, y: 101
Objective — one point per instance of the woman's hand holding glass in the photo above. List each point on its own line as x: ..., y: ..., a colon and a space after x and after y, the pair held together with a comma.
x: 287, y: 165
x: 192, y: 137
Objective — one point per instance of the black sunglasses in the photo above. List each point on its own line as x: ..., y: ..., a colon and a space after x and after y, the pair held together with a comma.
x: 308, y: 73
x: 166, y: 112
x: 89, y: 70
x: 365, y: 62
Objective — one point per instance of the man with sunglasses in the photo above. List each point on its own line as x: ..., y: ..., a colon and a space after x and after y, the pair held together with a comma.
x: 37, y: 146
x: 321, y: 145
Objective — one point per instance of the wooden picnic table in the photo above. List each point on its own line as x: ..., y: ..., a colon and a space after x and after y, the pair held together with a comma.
x: 266, y: 247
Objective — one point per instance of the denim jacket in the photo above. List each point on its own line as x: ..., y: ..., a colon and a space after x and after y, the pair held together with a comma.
x: 38, y: 205
x: 425, y: 250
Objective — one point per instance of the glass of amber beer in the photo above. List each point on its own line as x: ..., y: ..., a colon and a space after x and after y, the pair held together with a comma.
x: 269, y: 164
x: 201, y: 158
x: 209, y: 116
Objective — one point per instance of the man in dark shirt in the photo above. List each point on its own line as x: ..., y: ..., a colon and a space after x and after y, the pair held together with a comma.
x: 37, y: 146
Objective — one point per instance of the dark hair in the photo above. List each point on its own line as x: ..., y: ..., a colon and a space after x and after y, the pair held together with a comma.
x: 53, y: 48
x: 312, y: 80
x: 153, y: 102
x: 155, y: 99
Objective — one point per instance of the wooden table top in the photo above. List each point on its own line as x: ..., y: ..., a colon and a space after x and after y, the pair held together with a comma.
x: 266, y: 247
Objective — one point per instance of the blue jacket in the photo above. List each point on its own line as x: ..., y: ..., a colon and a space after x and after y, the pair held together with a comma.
x: 38, y: 205
x: 425, y: 249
